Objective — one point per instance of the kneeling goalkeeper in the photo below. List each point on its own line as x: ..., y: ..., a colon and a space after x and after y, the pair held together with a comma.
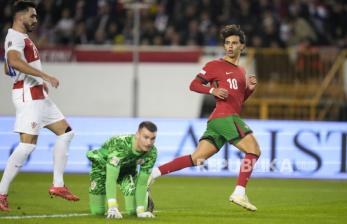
x: 116, y: 163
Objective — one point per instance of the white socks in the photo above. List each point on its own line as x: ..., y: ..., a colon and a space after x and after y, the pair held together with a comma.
x: 60, y: 155
x: 239, y: 190
x: 23, y: 150
x: 14, y: 163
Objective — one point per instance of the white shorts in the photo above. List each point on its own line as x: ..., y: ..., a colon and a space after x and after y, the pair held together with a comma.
x: 33, y: 115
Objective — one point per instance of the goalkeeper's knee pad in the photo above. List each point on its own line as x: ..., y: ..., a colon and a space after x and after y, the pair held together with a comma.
x: 97, y: 210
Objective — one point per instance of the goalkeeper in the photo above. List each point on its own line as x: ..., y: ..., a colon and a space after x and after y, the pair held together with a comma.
x: 116, y: 163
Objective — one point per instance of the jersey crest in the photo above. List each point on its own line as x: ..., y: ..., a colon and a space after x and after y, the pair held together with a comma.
x: 114, y: 161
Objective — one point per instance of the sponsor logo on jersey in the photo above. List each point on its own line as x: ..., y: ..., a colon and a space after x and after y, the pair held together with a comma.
x: 114, y: 161
x: 93, y: 185
x: 9, y: 44
x: 227, y: 73
x: 33, y: 125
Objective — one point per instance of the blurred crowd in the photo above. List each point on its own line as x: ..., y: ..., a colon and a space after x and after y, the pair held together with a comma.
x: 267, y: 23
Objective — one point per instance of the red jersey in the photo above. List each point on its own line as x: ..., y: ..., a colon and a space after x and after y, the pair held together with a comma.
x: 222, y: 74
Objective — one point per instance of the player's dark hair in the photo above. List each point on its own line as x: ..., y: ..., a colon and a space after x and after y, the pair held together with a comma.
x: 232, y: 30
x: 149, y: 125
x: 22, y: 5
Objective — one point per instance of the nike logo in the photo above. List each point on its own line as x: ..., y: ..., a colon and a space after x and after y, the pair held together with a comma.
x: 228, y: 73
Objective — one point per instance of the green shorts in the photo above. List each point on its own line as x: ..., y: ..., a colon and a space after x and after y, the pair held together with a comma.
x: 225, y: 129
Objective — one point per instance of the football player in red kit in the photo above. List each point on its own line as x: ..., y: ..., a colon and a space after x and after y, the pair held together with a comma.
x: 230, y: 86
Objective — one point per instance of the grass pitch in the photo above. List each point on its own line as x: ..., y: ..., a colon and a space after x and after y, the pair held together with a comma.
x: 187, y: 200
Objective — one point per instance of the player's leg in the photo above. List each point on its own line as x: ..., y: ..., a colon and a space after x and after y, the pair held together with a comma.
x: 250, y: 147
x: 97, y: 190
x: 209, y: 144
x: 127, y: 184
x: 61, y: 149
x: 204, y: 150
x: 28, y: 124
x: 247, y: 144
x: 150, y: 202
x: 54, y: 121
x: 14, y: 163
x: 60, y: 155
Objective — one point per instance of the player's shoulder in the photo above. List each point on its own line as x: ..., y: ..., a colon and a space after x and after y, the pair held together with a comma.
x: 15, y: 35
x: 213, y: 65
x: 14, y: 39
x: 154, y: 150
x: 215, y: 62
x: 115, y: 140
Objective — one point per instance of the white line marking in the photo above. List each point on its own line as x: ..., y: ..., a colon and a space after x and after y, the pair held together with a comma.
x: 44, y: 216
x: 50, y: 216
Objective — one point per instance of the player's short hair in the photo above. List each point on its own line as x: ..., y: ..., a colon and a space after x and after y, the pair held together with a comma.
x: 232, y: 30
x: 149, y: 125
x: 22, y: 5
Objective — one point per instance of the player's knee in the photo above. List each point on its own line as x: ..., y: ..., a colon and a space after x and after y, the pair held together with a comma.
x: 26, y: 148
x: 22, y: 152
x: 131, y: 211
x: 68, y: 129
x: 67, y: 136
x: 97, y: 204
x: 254, y: 150
x: 97, y: 210
x: 257, y: 150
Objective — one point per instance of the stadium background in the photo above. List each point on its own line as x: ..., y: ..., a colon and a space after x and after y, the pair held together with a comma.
x: 296, y: 49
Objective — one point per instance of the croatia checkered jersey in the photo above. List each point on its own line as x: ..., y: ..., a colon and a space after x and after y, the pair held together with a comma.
x: 26, y: 87
x: 119, y: 151
x: 222, y: 74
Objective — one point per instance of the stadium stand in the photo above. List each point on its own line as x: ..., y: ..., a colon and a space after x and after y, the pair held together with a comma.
x: 296, y: 46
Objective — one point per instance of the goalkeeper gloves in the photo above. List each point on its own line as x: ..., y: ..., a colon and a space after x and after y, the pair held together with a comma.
x: 140, y: 211
x: 113, y: 212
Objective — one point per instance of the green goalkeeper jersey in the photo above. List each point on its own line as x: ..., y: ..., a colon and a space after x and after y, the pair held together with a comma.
x: 119, y: 156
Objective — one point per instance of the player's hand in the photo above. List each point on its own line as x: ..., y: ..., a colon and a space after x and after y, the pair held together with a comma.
x: 221, y: 93
x: 145, y: 215
x: 52, y: 80
x: 113, y: 213
x: 252, y: 82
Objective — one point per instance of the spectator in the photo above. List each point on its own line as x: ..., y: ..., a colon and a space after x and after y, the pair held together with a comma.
x: 266, y: 23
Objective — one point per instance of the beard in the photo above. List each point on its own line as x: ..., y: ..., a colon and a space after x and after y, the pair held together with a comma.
x: 29, y: 27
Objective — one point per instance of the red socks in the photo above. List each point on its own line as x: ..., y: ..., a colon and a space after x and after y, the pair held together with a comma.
x: 182, y: 162
x: 246, y: 169
x: 176, y: 164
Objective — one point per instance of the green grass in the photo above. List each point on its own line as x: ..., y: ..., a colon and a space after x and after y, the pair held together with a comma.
x: 191, y: 200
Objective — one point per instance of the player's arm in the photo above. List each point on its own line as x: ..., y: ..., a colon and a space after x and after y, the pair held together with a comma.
x: 112, y: 173
x: 14, y: 60
x: 142, y: 185
x: 199, y: 85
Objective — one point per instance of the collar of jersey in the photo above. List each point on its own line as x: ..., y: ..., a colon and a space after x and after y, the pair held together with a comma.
x: 230, y: 63
x: 133, y: 149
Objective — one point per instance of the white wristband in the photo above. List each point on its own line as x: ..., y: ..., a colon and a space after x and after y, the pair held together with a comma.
x: 140, y: 209
x: 211, y: 90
